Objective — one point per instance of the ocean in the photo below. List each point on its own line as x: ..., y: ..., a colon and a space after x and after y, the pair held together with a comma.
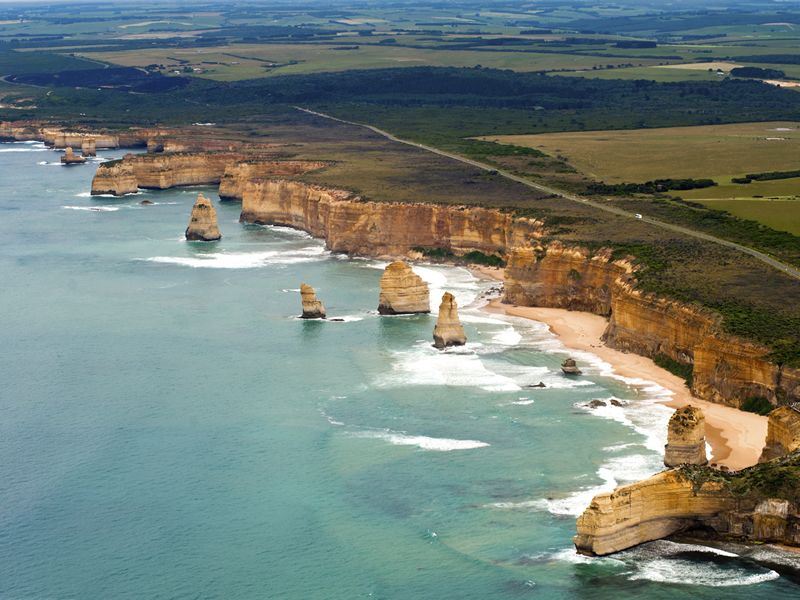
x: 171, y: 429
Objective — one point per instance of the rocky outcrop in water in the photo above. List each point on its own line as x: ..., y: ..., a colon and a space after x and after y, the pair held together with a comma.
x: 115, y: 177
x: 312, y: 306
x: 783, y: 433
x: 448, y: 330
x: 89, y: 147
x: 203, y: 222
x: 757, y: 504
x: 70, y: 158
x: 686, y: 438
x: 403, y: 291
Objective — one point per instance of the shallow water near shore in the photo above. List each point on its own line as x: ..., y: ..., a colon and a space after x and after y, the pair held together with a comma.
x: 170, y: 429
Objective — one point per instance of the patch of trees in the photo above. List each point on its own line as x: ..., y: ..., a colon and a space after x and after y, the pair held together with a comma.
x: 635, y: 44
x: 757, y: 73
x: 766, y: 176
x: 123, y: 78
x: 779, y: 59
x: 649, y: 187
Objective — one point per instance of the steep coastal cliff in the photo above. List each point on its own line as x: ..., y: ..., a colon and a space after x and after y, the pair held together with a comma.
x: 758, y: 504
x: 725, y: 369
x: 166, y: 170
x: 355, y: 226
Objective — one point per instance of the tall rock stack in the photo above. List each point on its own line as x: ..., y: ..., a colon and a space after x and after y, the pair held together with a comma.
x: 783, y: 433
x: 403, y: 291
x: 448, y: 330
x: 203, y: 222
x: 686, y: 438
x: 70, y: 158
x: 312, y: 306
x: 88, y: 147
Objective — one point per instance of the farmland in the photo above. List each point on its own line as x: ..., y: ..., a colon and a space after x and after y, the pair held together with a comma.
x: 714, y: 151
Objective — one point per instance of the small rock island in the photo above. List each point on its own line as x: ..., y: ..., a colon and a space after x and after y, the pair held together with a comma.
x: 448, y: 330
x: 312, y: 306
x: 70, y: 158
x: 686, y: 438
x: 203, y: 222
x: 403, y: 292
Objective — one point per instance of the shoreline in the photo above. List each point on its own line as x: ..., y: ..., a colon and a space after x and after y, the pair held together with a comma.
x: 736, y: 437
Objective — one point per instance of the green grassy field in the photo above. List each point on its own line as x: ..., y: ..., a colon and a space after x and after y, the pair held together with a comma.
x: 247, y: 61
x: 713, y: 151
x: 783, y: 215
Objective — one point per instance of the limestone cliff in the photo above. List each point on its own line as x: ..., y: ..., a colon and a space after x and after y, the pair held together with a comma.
x: 686, y: 438
x: 757, y: 504
x: 448, y: 330
x: 783, y: 433
x: 237, y: 175
x: 352, y: 225
x: 89, y: 147
x: 162, y: 171
x: 312, y: 306
x: 115, y: 177
x: 167, y: 170
x: 725, y: 369
x: 644, y: 511
x: 403, y: 291
x: 203, y: 221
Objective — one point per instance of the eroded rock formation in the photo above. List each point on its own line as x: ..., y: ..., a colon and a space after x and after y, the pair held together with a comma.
x: 644, y: 511
x: 115, y: 177
x: 203, y: 221
x: 783, y: 433
x: 70, y: 158
x: 350, y: 224
x: 686, y: 438
x: 448, y: 330
x: 757, y: 504
x: 403, y: 291
x: 89, y: 147
x: 312, y: 306
x: 238, y: 175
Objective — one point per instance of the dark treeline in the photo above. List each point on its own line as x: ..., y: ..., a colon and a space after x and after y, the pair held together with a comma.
x: 649, y: 187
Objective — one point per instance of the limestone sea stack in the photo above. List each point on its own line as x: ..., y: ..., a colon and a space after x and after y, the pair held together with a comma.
x: 686, y: 438
x: 70, y: 158
x: 203, y: 222
x: 88, y: 147
x: 448, y: 330
x: 312, y: 306
x: 403, y: 291
x: 783, y: 433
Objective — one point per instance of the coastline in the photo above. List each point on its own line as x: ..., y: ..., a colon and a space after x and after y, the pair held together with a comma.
x: 736, y: 437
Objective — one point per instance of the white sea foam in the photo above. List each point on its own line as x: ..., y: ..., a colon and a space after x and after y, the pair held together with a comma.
x: 28, y: 149
x: 244, y: 260
x: 83, y: 195
x: 421, y: 441
x: 424, y: 365
x: 93, y: 208
x: 675, y: 570
x: 523, y: 402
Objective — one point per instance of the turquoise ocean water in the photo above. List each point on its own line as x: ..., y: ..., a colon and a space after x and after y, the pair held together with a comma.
x: 169, y: 429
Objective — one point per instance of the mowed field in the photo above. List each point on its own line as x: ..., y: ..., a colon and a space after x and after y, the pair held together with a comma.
x: 715, y: 151
x: 718, y: 152
x: 246, y: 61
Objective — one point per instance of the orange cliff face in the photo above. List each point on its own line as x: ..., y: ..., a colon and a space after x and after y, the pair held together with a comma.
x: 166, y: 170
x: 726, y: 369
x: 355, y: 226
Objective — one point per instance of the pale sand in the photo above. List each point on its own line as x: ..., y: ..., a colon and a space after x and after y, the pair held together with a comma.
x: 736, y: 437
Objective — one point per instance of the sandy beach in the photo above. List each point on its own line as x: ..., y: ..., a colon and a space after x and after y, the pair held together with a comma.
x: 736, y: 437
